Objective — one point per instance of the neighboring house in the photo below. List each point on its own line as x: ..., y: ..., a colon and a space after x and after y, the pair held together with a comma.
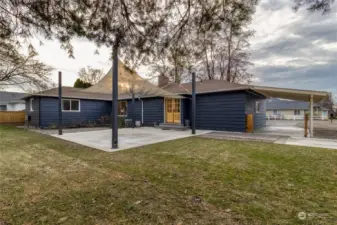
x: 220, y: 105
x: 293, y: 110
x: 11, y: 101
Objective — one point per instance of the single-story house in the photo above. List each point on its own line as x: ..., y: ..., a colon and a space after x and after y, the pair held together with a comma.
x: 11, y: 101
x: 223, y: 110
x: 293, y: 110
x: 220, y: 105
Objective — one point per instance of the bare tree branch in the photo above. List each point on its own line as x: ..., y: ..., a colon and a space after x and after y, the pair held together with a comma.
x: 22, y: 71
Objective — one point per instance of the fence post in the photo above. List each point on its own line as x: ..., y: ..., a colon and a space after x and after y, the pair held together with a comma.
x: 306, y: 125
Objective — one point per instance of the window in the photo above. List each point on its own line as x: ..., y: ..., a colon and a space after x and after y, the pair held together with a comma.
x: 70, y: 105
x: 31, y: 104
x: 297, y: 112
x: 122, y: 108
x: 257, y: 107
x: 275, y: 112
x: 75, y: 105
x: 3, y: 107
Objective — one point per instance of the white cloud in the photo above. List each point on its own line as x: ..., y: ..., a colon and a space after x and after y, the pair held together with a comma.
x: 294, y: 49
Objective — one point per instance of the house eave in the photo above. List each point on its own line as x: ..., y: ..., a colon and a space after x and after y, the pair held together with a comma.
x: 103, y: 99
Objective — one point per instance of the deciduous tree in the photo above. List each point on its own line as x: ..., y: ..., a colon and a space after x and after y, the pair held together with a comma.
x: 323, y: 6
x: 90, y: 75
x: 22, y: 71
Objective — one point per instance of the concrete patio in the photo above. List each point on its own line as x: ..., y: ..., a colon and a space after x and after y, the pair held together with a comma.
x: 289, y: 132
x: 311, y: 142
x: 277, y: 138
x: 281, y: 132
x: 128, y: 137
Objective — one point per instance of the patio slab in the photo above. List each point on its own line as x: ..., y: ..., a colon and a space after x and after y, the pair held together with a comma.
x: 128, y: 137
x: 313, y: 142
x: 272, y: 138
x: 225, y: 135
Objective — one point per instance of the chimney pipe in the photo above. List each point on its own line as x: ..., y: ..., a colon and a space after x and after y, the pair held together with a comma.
x: 163, y: 80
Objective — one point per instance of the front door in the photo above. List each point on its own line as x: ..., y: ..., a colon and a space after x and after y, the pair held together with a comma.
x: 172, y: 107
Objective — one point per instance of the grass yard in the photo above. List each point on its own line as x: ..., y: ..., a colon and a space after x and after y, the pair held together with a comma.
x: 44, y: 180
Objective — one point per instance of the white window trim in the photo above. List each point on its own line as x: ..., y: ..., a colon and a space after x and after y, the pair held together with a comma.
x: 31, y: 104
x: 79, y: 105
x: 256, y: 108
x: 127, y: 110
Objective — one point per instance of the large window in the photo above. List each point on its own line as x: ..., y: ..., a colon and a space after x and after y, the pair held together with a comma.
x: 70, y: 105
x: 123, y: 108
x: 31, y: 104
x: 297, y: 112
x: 275, y: 112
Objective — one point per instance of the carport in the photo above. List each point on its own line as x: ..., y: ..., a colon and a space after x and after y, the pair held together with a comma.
x: 295, y: 94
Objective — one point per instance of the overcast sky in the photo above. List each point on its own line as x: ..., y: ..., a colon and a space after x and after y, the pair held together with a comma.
x: 293, y: 50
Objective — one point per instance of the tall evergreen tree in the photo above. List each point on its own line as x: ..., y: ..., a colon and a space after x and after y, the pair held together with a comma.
x: 81, y: 84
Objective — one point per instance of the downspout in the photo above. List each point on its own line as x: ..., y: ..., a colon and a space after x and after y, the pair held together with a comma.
x: 142, y: 110
x: 40, y: 113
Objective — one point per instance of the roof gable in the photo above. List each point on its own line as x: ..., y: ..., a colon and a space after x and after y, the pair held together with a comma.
x: 128, y: 79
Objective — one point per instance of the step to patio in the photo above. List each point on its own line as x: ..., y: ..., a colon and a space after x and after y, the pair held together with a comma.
x: 173, y: 126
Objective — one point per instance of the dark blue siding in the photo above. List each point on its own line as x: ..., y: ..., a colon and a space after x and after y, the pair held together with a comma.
x: 186, y: 113
x: 153, y: 111
x: 34, y: 115
x: 138, y: 110
x: 221, y: 111
x: 182, y: 111
x: 260, y: 117
x: 91, y: 111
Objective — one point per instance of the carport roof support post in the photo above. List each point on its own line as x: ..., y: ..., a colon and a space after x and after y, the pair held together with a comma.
x: 193, y: 103
x: 60, y: 104
x: 311, y: 116
x: 115, y: 97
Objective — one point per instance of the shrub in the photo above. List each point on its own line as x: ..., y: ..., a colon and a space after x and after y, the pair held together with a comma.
x: 121, y: 122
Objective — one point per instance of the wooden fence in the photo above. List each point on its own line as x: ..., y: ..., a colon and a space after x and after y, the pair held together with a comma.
x: 12, y: 117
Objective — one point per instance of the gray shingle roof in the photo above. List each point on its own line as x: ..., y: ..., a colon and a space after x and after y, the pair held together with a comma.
x: 6, y: 97
x: 103, y: 89
x: 70, y: 92
x: 128, y: 79
x: 78, y: 93
x: 205, y: 86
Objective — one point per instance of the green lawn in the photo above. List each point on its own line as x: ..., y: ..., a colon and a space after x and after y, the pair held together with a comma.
x: 44, y: 180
